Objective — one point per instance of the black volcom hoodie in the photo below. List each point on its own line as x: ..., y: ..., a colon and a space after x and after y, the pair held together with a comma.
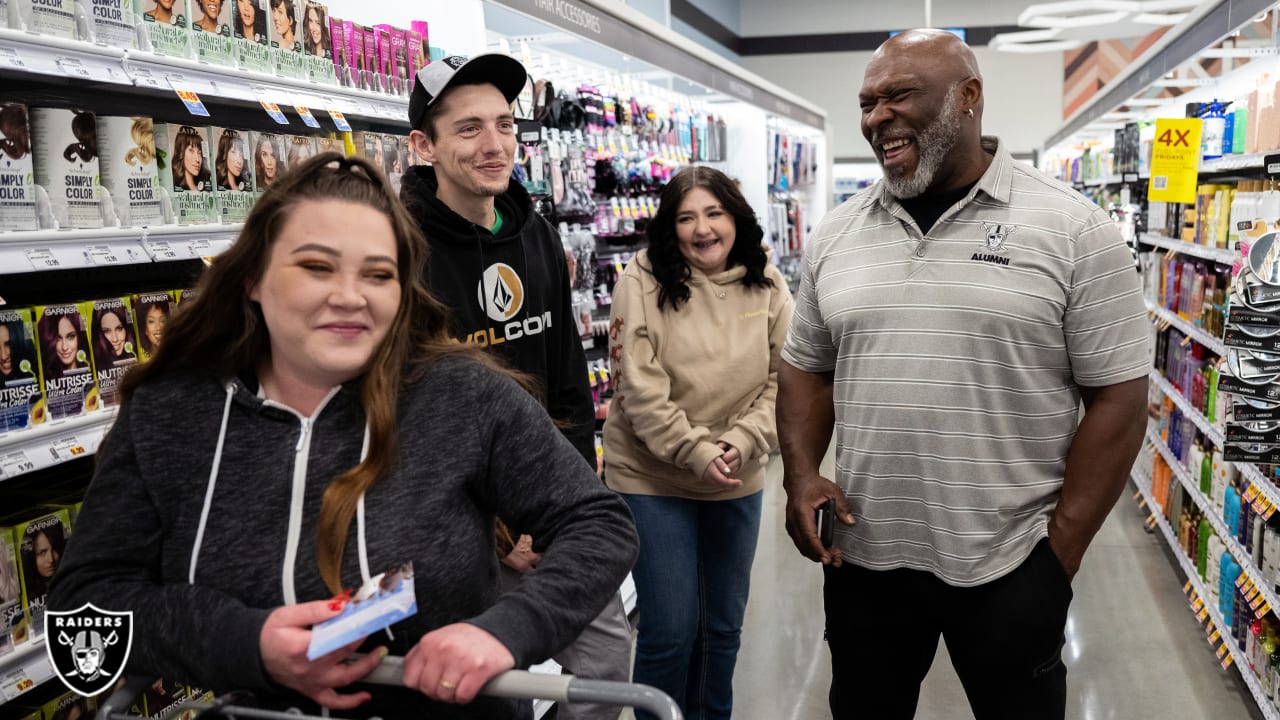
x: 509, y: 292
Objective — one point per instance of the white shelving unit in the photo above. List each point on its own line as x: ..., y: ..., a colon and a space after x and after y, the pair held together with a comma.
x: 1246, y: 673
x: 40, y: 250
x: 1188, y: 329
x: 1218, y: 255
x: 24, y: 669
x: 1197, y: 417
x: 1228, y: 163
x: 56, y: 442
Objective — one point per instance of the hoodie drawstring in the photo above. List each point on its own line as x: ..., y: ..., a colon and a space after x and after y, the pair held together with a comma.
x: 213, y: 482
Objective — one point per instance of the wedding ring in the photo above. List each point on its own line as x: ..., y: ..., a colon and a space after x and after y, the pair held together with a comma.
x: 448, y: 685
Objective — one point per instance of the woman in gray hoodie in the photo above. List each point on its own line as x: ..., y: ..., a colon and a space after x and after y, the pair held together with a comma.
x: 307, y: 423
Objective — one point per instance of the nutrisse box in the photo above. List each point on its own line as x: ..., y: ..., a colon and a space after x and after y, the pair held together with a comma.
x: 66, y: 361
x: 21, y: 394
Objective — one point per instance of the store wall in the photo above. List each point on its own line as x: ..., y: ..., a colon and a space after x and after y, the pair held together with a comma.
x: 769, y: 17
x: 1023, y: 94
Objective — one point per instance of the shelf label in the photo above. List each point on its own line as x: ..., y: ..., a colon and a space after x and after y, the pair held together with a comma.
x: 1213, y: 637
x: 16, y: 683
x: 42, y: 259
x: 67, y: 449
x: 339, y: 121
x: 274, y: 111
x: 307, y: 118
x: 1186, y: 588
x: 162, y: 250
x: 200, y: 247
x: 10, y: 57
x: 1262, y: 611
x: 15, y: 463
x: 1204, y: 613
x: 101, y: 255
x: 1175, y: 160
x: 1226, y: 662
x: 142, y: 77
x: 72, y: 66
x: 1130, y: 177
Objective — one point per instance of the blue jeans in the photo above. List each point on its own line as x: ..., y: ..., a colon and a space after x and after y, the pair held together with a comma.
x: 692, y: 578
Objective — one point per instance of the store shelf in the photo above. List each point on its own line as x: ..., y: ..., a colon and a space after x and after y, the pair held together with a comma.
x: 1241, y: 663
x: 1187, y: 328
x: 59, y: 441
x: 1229, y: 163
x: 24, y: 669
x: 1218, y: 255
x: 40, y: 250
x: 45, y: 55
x: 1197, y: 417
x: 1229, y: 541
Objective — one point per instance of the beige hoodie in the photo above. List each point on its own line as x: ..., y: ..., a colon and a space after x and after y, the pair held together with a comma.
x: 688, y: 379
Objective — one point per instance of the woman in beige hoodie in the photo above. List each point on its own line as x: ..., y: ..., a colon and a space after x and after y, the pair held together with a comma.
x: 697, y: 327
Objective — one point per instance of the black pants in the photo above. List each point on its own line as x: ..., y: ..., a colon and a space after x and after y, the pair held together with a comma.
x: 1005, y: 639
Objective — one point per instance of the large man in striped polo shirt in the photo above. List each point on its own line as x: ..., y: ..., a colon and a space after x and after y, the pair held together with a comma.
x: 950, y: 320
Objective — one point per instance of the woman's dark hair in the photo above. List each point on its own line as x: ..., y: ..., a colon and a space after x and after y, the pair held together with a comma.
x: 669, y: 266
x: 19, y: 347
x: 102, y: 351
x: 37, y: 584
x: 85, y: 127
x: 186, y: 137
x: 257, y: 33
x: 16, y: 142
x: 47, y: 326
x: 143, y: 310
x: 229, y: 139
x: 222, y: 332
x: 326, y: 45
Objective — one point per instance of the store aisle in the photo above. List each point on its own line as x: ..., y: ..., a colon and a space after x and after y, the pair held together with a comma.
x: 1133, y: 648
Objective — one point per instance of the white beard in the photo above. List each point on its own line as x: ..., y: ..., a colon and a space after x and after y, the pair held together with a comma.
x: 932, y: 147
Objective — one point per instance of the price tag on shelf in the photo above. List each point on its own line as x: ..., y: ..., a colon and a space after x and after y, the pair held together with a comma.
x: 72, y: 66
x: 1204, y: 613
x: 1226, y: 662
x: 101, y: 255
x: 10, y: 57
x: 16, y: 683
x: 142, y: 77
x: 1251, y: 492
x: 43, y: 259
x: 1222, y: 651
x: 1213, y: 637
x: 162, y: 250
x: 15, y: 463
x: 1199, y: 603
x: 339, y: 121
x: 274, y: 111
x: 200, y: 247
x: 67, y: 449
x: 1186, y: 588
x: 307, y: 118
x: 187, y: 95
x: 1262, y: 610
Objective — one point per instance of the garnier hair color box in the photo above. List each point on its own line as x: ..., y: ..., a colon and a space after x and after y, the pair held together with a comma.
x: 112, y: 22
x: 128, y: 165
x: 182, y: 157
x: 168, y: 29
x: 49, y: 17
x: 66, y: 164
x: 13, y: 620
x: 211, y: 31
x: 21, y: 395
x: 17, y: 174
x: 66, y: 361
x: 151, y: 313
x: 41, y: 542
x: 115, y: 346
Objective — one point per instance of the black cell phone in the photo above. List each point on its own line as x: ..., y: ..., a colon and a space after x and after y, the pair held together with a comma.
x: 824, y: 517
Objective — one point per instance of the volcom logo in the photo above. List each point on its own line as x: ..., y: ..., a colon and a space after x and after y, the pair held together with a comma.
x: 995, y: 236
x: 501, y: 293
x: 88, y: 647
x: 455, y: 61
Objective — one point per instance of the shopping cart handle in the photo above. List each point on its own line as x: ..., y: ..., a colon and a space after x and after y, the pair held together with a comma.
x: 522, y: 685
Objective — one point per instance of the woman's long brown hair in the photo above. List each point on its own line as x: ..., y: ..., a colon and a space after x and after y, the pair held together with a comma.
x: 222, y: 332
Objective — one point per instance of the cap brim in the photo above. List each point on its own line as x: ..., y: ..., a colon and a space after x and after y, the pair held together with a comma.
x: 505, y: 72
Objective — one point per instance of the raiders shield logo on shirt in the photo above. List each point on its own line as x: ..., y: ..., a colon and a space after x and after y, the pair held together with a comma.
x: 88, y: 647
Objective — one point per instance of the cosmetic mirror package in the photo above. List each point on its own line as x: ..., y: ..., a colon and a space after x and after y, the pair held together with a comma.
x: 269, y: 160
x: 112, y: 21
x: 115, y: 347
x: 211, y: 31
x: 249, y: 30
x: 129, y: 171
x: 151, y: 313
x: 233, y: 173
x: 21, y: 394
x: 65, y: 144
x: 17, y: 172
x: 182, y: 155
x: 167, y: 26
x: 66, y: 362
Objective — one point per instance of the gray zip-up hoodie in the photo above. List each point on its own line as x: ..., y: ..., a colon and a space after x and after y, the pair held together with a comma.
x: 201, y: 519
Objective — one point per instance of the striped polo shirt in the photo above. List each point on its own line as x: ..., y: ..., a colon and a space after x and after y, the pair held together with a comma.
x: 957, y: 357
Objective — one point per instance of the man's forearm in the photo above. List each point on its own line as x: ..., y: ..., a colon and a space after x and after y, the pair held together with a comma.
x: 1098, y: 463
x: 805, y: 417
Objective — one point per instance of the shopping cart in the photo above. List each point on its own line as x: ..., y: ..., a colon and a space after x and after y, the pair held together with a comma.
x: 515, y: 684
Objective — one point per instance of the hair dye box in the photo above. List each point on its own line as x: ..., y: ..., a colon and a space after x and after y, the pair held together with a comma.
x: 286, y: 38
x: 300, y: 149
x: 128, y: 166
x: 317, y: 43
x: 21, y: 393
x: 112, y: 22
x: 70, y: 706
x: 151, y: 313
x: 17, y: 171
x: 233, y: 173
x: 356, y: 58
x: 377, y: 81
x: 65, y: 144
x: 66, y: 360
x: 168, y: 29
x: 330, y: 144
x: 393, y: 62
x: 49, y: 17
x: 13, y: 619
x: 41, y: 542
x: 115, y: 345
x: 182, y: 159
x: 211, y: 31
x: 415, y: 49
x: 252, y: 41
x: 269, y: 156
x: 341, y: 61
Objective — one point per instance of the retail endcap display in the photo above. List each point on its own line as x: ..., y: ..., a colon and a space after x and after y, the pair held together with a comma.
x: 430, y: 83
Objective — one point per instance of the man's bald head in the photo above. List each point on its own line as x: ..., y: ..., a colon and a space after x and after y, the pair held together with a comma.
x: 943, y: 49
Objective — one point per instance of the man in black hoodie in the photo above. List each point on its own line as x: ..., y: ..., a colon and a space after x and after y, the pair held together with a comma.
x: 501, y: 269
